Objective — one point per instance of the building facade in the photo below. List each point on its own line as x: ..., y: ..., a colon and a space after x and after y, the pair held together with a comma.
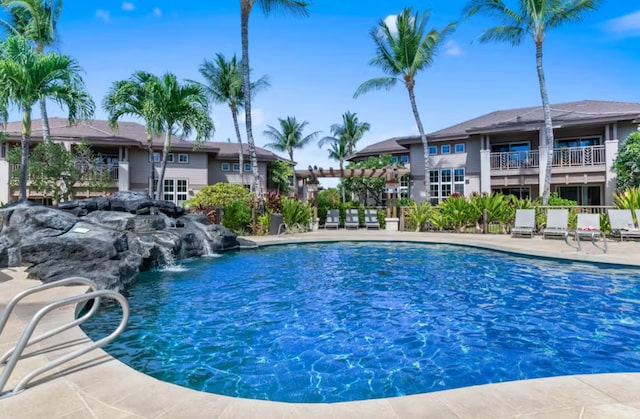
x: 126, y: 155
x: 502, y: 152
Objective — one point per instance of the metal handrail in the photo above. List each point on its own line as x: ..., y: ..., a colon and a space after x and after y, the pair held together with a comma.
x: 24, y: 339
x: 66, y: 281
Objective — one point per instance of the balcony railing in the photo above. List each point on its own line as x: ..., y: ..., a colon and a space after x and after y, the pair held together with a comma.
x: 562, y: 157
x: 112, y: 169
x: 515, y: 160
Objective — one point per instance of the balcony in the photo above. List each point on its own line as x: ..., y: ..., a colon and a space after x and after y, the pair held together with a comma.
x: 562, y: 157
x: 111, y: 169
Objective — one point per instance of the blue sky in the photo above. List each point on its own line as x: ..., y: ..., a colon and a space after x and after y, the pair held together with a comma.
x: 316, y: 63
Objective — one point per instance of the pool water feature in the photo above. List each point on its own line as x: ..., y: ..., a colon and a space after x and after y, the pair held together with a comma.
x: 353, y: 321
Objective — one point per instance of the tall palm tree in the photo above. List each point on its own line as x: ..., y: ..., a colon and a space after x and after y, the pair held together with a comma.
x: 132, y: 97
x: 290, y: 137
x: 26, y: 76
x: 350, y: 131
x: 402, y: 52
x: 339, y: 151
x: 535, y: 18
x: 36, y: 20
x: 178, y: 109
x: 223, y: 84
x: 246, y: 6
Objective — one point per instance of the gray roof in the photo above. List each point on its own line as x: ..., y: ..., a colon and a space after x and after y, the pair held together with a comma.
x: 387, y: 146
x: 129, y: 133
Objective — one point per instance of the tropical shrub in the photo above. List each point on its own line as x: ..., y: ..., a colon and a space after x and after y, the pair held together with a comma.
x: 296, y: 212
x: 628, y: 199
x: 263, y: 223
x: 212, y: 213
x: 220, y: 195
x: 237, y: 217
x: 327, y: 199
x: 627, y: 162
x: 273, y: 202
x: 455, y: 213
x: 499, y: 207
x: 418, y: 215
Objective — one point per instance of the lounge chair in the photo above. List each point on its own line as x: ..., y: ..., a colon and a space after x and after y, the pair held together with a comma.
x: 333, y: 219
x: 525, y: 223
x: 621, y: 221
x: 589, y: 226
x: 557, y: 223
x: 371, y: 219
x: 352, y: 220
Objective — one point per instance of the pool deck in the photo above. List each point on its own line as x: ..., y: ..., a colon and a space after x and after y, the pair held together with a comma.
x: 98, y: 386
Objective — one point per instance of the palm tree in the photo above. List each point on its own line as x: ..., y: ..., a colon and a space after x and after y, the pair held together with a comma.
x: 401, y: 53
x: 178, y: 109
x: 290, y: 137
x: 350, y: 131
x: 26, y: 76
x: 246, y: 6
x: 534, y: 17
x: 36, y: 20
x: 132, y: 97
x: 339, y: 150
x: 223, y: 84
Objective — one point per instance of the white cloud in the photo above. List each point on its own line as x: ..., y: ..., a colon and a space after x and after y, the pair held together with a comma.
x: 626, y: 23
x: 452, y: 48
x: 128, y: 6
x: 392, y: 23
x: 258, y: 117
x: 157, y: 12
x: 103, y: 14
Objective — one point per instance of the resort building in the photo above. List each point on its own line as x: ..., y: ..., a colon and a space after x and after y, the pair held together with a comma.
x: 501, y: 151
x: 126, y: 156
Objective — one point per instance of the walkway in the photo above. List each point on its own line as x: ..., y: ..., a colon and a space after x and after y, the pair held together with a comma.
x: 98, y: 386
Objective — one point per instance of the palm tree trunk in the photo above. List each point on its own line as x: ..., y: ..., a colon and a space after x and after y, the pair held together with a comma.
x: 234, y: 114
x: 152, y: 175
x: 24, y: 158
x: 425, y: 143
x: 46, y: 130
x: 163, y: 164
x: 548, y: 125
x: 245, y: 11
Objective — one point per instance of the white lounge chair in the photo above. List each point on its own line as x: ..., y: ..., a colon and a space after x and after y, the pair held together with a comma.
x: 589, y: 226
x: 333, y: 219
x: 557, y: 223
x: 621, y: 221
x: 525, y: 223
x: 371, y: 219
x: 351, y: 219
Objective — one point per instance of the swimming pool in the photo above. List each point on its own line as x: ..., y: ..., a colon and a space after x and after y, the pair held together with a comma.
x: 353, y: 321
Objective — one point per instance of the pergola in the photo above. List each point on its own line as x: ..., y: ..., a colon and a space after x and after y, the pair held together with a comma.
x: 390, y: 174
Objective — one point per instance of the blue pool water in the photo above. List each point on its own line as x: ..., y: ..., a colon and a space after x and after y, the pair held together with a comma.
x: 347, y: 321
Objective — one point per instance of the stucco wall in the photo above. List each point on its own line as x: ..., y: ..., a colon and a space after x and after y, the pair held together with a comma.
x: 216, y: 174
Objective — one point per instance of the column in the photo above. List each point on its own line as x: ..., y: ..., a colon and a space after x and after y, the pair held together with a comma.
x: 5, y: 175
x: 123, y: 176
x: 485, y: 165
x: 610, y: 185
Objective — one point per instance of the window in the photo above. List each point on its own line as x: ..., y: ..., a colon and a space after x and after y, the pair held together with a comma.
x: 175, y: 190
x: 583, y: 195
x: 183, y: 158
x: 156, y: 157
x: 225, y: 167
x: 405, y: 184
x: 578, y: 142
x: 522, y: 193
x: 404, y: 159
x: 433, y: 150
x: 443, y: 183
x: 170, y: 158
x: 445, y: 149
x: 394, y: 159
x: 459, y: 148
x: 236, y: 167
x: 3, y: 151
x: 247, y: 167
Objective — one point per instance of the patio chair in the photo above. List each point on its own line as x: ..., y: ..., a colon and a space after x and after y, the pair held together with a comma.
x: 352, y: 220
x: 557, y: 223
x: 525, y: 223
x: 621, y: 221
x: 333, y: 219
x: 371, y: 219
x: 588, y: 226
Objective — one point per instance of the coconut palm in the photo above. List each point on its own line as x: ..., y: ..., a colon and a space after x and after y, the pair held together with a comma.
x: 535, y: 18
x: 267, y: 6
x: 290, y: 137
x: 36, y: 20
x: 26, y: 76
x: 351, y: 131
x: 132, y: 97
x: 223, y: 84
x: 339, y: 150
x: 402, y: 52
x: 177, y: 109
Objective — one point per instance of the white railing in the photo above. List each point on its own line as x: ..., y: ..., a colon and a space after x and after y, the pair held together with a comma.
x: 578, y: 156
x: 562, y: 157
x: 515, y: 160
